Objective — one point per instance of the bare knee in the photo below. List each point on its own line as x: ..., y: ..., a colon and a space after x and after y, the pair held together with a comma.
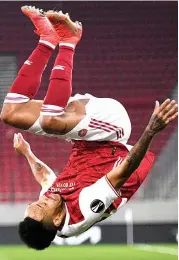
x: 8, y: 114
x: 13, y: 116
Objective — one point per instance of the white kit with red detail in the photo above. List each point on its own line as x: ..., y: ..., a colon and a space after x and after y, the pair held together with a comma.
x: 106, y: 120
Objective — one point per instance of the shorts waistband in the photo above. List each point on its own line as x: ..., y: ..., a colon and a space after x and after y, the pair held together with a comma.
x: 96, y: 145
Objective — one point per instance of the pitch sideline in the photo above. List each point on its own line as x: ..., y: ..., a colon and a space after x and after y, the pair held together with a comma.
x: 157, y: 249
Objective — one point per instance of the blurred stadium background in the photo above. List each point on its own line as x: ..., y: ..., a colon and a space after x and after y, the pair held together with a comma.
x: 128, y: 52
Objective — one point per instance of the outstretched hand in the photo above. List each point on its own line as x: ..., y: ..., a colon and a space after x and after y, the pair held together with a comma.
x: 20, y: 145
x: 162, y: 115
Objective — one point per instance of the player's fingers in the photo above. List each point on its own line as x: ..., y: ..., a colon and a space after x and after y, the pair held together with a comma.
x: 164, y: 104
x: 171, y: 111
x: 170, y: 105
x: 157, y: 105
x: 156, y: 108
x: 15, y: 140
x: 167, y: 108
x: 20, y: 136
x: 172, y: 118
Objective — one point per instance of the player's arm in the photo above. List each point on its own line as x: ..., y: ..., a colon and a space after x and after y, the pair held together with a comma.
x: 42, y: 173
x: 162, y: 115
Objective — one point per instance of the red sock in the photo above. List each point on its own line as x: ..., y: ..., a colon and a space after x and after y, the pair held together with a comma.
x: 28, y: 80
x: 60, y: 87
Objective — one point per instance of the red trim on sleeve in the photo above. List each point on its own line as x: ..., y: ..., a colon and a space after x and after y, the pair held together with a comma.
x: 118, y: 193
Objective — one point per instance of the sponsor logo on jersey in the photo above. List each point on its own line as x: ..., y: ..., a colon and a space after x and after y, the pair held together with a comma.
x: 97, y: 206
x: 82, y: 132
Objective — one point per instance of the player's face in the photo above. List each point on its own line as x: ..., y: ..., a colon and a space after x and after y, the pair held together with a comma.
x: 45, y: 209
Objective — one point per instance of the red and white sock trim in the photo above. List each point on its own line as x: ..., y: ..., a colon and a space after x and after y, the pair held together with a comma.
x: 51, y: 110
x: 70, y: 45
x: 59, y: 67
x: 49, y: 44
x: 16, y: 98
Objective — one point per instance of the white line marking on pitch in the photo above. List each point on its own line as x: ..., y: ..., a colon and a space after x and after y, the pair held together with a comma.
x: 158, y: 249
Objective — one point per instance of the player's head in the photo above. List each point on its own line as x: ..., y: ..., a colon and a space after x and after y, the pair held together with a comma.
x: 35, y: 235
x: 42, y: 219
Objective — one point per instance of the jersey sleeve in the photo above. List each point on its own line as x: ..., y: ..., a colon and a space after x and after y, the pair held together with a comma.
x: 96, y: 198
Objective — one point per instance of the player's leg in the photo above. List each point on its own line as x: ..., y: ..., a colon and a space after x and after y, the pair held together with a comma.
x: 60, y: 87
x: 19, y: 109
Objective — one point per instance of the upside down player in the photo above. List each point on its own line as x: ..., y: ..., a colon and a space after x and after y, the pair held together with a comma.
x: 83, y: 196
x: 82, y: 117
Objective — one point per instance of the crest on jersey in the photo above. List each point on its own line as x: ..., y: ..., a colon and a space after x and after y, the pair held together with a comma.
x: 82, y: 132
x: 97, y: 206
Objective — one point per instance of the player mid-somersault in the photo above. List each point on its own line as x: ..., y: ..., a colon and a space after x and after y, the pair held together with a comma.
x: 82, y: 117
x: 77, y: 199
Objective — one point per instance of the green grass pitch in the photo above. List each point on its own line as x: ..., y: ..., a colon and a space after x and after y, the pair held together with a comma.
x: 89, y: 252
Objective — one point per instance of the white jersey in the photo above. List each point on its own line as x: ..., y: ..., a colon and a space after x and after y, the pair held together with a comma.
x: 106, y: 120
